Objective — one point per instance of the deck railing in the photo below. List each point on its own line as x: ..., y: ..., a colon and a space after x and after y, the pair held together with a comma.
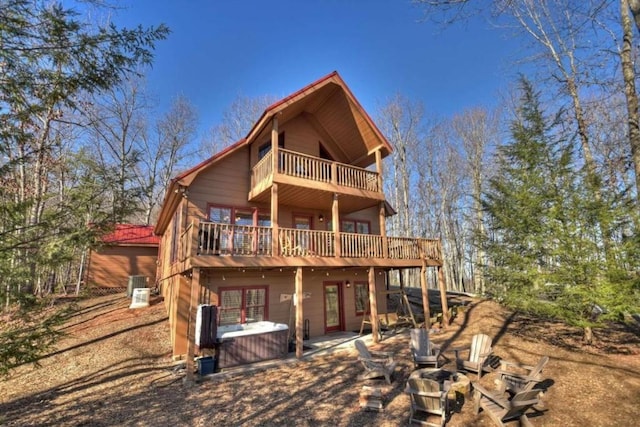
x: 351, y: 176
x: 227, y: 239
x: 315, y: 169
x: 244, y: 240
x: 295, y: 242
x: 262, y: 170
x: 304, y: 166
x: 361, y: 245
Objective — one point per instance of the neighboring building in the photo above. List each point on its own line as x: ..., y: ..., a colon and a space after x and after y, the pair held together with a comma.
x: 129, y: 250
x: 295, y: 209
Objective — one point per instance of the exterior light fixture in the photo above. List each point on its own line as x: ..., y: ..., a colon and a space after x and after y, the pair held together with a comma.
x: 321, y: 218
x: 348, y: 283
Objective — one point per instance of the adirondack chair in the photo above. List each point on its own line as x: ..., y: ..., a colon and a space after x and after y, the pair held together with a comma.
x: 514, y: 377
x: 501, y: 410
x: 424, y: 352
x: 428, y: 398
x: 376, y: 363
x: 479, y: 352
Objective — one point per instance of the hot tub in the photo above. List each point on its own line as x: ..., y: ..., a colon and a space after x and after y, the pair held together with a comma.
x: 251, y: 342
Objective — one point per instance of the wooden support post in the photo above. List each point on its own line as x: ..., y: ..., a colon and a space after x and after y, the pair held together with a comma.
x: 334, y: 173
x: 379, y: 168
x: 373, y: 306
x: 335, y: 222
x: 425, y: 295
x: 299, y: 313
x: 275, y: 244
x: 443, y: 298
x: 383, y: 230
x: 194, y: 294
x: 274, y: 146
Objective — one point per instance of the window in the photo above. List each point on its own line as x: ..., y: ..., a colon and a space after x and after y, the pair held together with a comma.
x: 303, y: 222
x: 220, y: 214
x: 355, y: 226
x: 362, y: 297
x: 243, y: 305
x: 266, y: 147
x: 238, y: 216
x: 243, y: 236
x: 264, y: 219
x: 239, y: 237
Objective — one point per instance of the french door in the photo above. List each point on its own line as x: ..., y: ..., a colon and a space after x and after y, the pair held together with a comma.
x: 333, y: 307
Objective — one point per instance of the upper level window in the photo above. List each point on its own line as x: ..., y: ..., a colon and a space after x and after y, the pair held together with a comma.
x: 355, y: 226
x: 264, y: 219
x: 266, y: 147
x: 220, y: 214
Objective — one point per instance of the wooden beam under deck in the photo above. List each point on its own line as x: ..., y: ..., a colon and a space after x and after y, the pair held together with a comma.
x: 223, y: 261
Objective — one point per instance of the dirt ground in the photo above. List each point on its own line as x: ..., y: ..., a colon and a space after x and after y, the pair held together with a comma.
x: 114, y: 368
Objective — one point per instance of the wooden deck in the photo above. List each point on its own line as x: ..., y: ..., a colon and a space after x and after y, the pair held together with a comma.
x: 304, y: 171
x: 225, y: 245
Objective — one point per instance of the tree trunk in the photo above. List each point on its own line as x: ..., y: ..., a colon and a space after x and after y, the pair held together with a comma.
x: 630, y: 93
x: 588, y: 335
x: 634, y: 5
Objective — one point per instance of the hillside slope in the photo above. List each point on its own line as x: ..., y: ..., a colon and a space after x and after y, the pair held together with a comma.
x: 114, y: 368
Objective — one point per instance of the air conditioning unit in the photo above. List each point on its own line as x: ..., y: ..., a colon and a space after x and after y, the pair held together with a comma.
x: 140, y: 298
x: 136, y: 282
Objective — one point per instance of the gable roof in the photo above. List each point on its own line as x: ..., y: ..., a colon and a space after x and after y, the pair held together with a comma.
x: 318, y: 102
x: 131, y: 235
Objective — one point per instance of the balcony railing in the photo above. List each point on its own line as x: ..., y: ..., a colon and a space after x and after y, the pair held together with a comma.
x: 244, y: 240
x: 227, y: 239
x: 315, y: 169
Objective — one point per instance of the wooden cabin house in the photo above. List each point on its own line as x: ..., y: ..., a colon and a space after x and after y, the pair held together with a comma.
x: 287, y: 224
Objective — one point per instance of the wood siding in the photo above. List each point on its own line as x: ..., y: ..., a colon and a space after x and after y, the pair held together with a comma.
x: 226, y: 184
x: 111, y: 266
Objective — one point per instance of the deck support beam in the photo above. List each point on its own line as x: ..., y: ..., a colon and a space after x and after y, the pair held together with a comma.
x: 275, y: 248
x: 425, y: 295
x: 335, y: 222
x: 383, y: 230
x: 194, y: 297
x: 443, y: 298
x: 299, y: 313
x: 373, y: 306
x: 379, y: 168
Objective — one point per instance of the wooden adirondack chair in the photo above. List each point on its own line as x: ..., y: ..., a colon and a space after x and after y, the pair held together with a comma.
x: 514, y: 377
x: 479, y: 352
x: 427, y: 397
x: 501, y: 410
x: 376, y: 363
x: 424, y: 352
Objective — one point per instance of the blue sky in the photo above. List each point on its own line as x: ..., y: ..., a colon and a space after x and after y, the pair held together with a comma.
x: 220, y: 49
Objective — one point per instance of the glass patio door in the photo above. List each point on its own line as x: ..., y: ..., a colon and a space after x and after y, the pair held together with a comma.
x: 332, y: 307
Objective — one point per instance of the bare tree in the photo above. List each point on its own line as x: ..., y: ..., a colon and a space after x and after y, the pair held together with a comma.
x: 116, y: 128
x: 477, y: 130
x: 400, y: 120
x: 162, y: 150
x: 629, y: 78
x: 236, y: 122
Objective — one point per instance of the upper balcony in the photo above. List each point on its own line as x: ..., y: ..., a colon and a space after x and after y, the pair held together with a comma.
x: 208, y: 244
x: 319, y: 178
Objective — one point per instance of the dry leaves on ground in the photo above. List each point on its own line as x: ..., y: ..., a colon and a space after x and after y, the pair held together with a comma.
x: 114, y: 368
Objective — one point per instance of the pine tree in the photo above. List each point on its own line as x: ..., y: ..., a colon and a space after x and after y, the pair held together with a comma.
x: 49, y: 61
x: 546, y: 249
